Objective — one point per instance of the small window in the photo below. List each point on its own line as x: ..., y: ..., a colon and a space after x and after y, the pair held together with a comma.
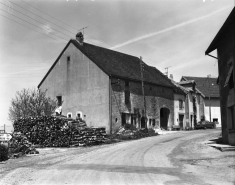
x: 126, y: 84
x: 127, y: 96
x: 153, y: 123
x: 68, y: 58
x: 181, y: 104
x: 79, y: 115
x: 150, y: 122
x: 69, y: 115
x: 59, y: 100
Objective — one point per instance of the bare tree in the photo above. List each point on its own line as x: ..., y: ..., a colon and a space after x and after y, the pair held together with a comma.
x: 31, y: 103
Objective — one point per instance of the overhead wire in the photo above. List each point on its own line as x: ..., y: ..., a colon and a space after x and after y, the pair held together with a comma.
x: 50, y: 15
x: 40, y: 17
x: 37, y: 21
x: 52, y: 22
x: 32, y: 28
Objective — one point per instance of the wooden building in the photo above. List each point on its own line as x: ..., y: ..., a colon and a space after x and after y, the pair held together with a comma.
x: 224, y: 42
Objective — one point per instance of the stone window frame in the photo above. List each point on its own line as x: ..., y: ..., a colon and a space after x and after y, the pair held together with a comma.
x: 71, y: 115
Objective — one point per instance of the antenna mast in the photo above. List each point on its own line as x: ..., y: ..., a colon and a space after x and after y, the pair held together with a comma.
x: 83, y: 30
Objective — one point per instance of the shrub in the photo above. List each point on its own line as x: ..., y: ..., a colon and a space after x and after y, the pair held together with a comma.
x: 3, y: 152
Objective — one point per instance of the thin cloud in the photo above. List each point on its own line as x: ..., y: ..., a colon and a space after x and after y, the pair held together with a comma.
x: 47, y: 29
x: 168, y: 29
x: 25, y: 71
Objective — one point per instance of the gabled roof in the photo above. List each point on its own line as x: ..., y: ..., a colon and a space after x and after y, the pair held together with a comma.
x: 228, y: 24
x: 190, y: 89
x: 204, y: 85
x: 117, y: 64
x: 179, y: 89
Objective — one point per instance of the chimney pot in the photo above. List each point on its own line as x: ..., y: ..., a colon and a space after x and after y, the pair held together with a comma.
x: 79, y: 38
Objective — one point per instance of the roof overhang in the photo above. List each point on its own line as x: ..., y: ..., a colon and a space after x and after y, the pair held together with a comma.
x: 223, y: 30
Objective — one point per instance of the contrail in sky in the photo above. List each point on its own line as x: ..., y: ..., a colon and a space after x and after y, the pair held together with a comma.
x: 168, y: 29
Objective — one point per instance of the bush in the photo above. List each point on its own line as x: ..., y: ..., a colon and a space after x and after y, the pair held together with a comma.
x: 129, y: 127
x: 3, y: 152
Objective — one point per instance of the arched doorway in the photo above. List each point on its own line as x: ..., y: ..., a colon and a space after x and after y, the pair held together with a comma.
x: 164, y: 117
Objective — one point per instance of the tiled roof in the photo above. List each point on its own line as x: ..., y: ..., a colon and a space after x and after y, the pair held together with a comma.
x: 121, y: 65
x: 228, y: 24
x: 204, y: 85
x: 118, y: 64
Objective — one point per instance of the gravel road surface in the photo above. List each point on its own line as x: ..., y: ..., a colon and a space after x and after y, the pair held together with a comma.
x: 177, y: 158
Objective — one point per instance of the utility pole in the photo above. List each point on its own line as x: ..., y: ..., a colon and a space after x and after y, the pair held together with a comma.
x: 4, y: 129
x: 142, y: 83
x: 166, y: 68
x: 209, y: 96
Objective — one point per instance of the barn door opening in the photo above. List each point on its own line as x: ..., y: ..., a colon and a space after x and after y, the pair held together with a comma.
x: 181, y: 120
x: 164, y: 117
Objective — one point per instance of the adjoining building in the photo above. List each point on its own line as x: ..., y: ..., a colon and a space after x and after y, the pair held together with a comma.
x: 194, y: 103
x: 210, y: 89
x: 108, y: 88
x: 224, y: 42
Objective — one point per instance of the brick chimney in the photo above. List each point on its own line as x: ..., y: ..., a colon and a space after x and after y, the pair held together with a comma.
x: 79, y: 38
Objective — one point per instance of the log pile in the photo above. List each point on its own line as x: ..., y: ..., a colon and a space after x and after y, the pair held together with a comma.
x: 130, y: 132
x: 50, y: 131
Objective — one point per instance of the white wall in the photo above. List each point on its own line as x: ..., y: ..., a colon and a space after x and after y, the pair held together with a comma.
x: 215, y: 110
x: 177, y: 111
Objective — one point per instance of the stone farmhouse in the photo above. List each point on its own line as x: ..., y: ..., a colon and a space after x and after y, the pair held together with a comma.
x: 108, y: 88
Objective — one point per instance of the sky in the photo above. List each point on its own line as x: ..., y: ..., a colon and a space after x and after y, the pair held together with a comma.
x: 171, y: 34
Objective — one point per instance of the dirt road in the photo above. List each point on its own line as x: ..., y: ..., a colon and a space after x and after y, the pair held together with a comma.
x: 179, y: 158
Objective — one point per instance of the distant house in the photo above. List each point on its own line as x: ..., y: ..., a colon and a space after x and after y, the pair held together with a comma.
x: 224, y: 42
x: 5, y: 137
x: 105, y: 88
x: 194, y: 103
x: 180, y: 106
x: 209, y: 88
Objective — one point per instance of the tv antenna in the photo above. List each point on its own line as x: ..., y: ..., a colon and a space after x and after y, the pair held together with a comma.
x: 83, y: 30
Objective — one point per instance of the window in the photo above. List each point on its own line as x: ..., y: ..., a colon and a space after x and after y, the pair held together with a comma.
x: 68, y: 58
x: 79, y: 115
x: 150, y: 122
x: 153, y: 123
x: 59, y: 100
x: 127, y: 96
x: 181, y: 106
x: 127, y: 93
x: 69, y: 115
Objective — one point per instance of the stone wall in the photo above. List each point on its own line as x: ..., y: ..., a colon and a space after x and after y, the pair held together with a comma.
x: 157, y: 97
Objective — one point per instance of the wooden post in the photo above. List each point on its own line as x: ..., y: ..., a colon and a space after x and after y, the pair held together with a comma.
x: 142, y: 83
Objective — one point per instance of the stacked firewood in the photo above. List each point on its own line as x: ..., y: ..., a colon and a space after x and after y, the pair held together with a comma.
x: 49, y: 131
